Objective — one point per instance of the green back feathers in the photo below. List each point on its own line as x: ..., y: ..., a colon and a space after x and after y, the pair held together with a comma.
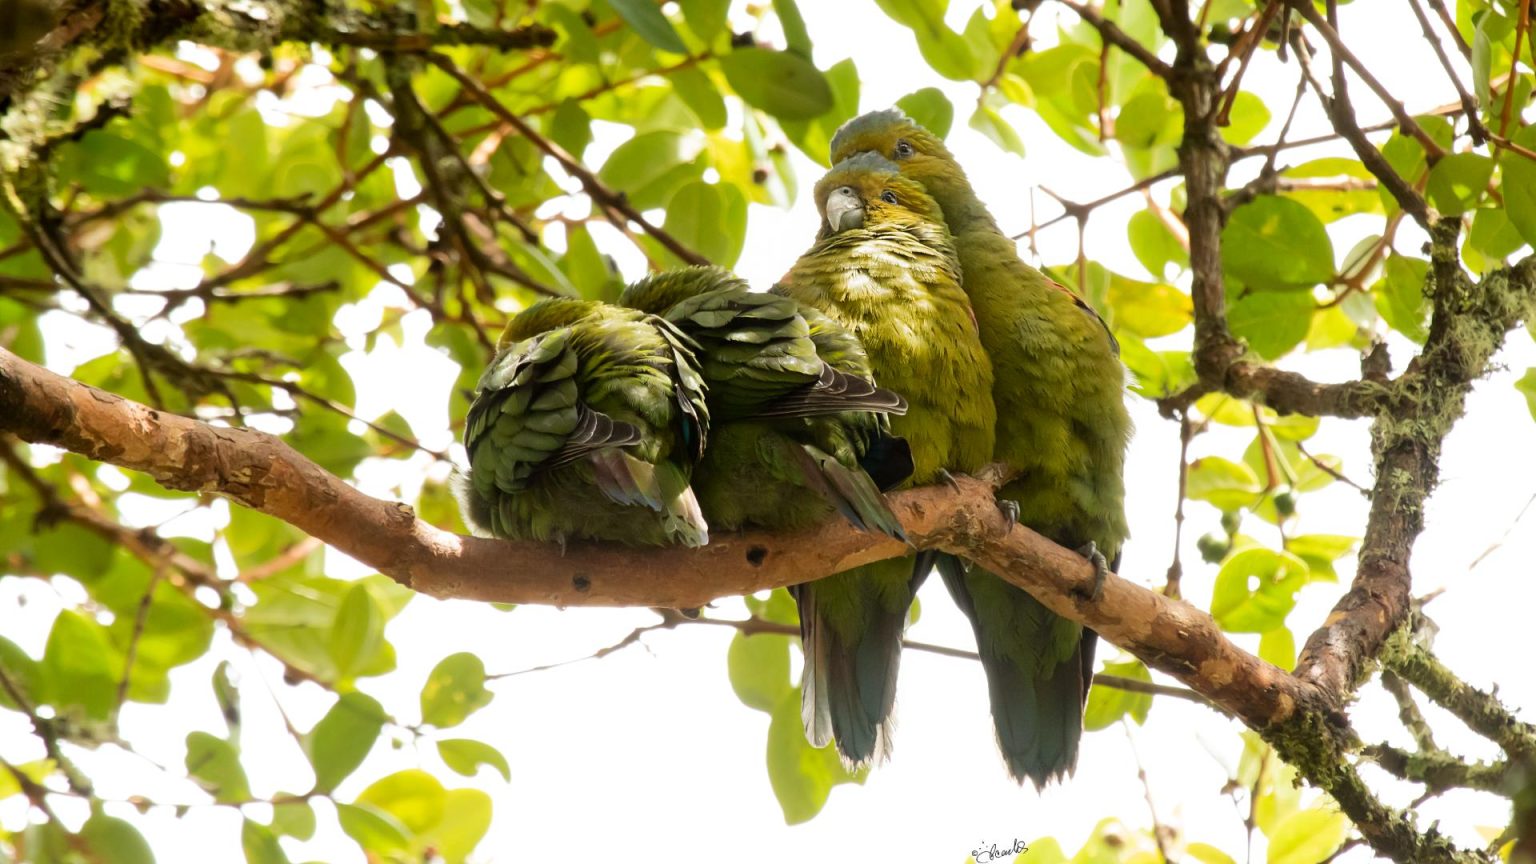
x: 587, y: 412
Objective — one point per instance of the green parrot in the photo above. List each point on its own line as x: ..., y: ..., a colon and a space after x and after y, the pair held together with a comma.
x: 1062, y: 423
x: 587, y: 425
x: 884, y: 267
x: 793, y: 407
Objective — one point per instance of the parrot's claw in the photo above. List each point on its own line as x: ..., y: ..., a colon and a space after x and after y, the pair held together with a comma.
x: 949, y: 480
x: 1010, y: 512
x: 1100, y: 568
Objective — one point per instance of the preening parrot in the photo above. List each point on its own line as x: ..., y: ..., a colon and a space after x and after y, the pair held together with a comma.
x: 798, y: 425
x: 587, y: 425
x: 884, y: 267
x: 1061, y: 422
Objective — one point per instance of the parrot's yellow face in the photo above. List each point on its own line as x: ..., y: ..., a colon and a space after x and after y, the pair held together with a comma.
x: 867, y: 191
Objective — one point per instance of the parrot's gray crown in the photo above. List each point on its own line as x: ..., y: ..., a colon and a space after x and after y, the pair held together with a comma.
x: 866, y: 161
x: 868, y: 121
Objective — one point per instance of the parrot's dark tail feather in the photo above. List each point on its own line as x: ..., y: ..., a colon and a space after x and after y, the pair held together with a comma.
x: 848, y: 688
x: 888, y: 461
x: 850, y: 491
x: 1037, y: 707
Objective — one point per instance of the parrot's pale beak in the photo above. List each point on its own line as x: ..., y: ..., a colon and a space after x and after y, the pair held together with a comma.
x: 844, y: 209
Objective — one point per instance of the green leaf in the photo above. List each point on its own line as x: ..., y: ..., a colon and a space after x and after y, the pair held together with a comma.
x: 779, y: 608
x: 1308, y: 836
x: 109, y: 164
x: 802, y: 776
x: 1527, y: 387
x: 759, y: 669
x: 1493, y: 234
x: 1107, y: 703
x: 990, y: 123
x: 22, y: 671
x: 701, y: 96
x: 710, y: 219
x: 1151, y: 118
x: 645, y: 18
x: 1458, y: 182
x: 571, y: 128
x: 1153, y: 244
x: 651, y: 166
x: 814, y: 137
x: 343, y: 738
x: 465, y: 756
x: 1272, y: 322
x: 1205, y: 853
x: 944, y: 49
x: 706, y: 18
x: 454, y: 690
x: 466, y: 818
x: 294, y: 819
x: 1256, y: 588
x: 1158, y: 373
x: 114, y: 841
x: 1320, y: 551
x: 358, y: 631
x: 1335, y: 203
x: 412, y: 796
x: 260, y: 845
x: 1276, y: 244
x: 793, y: 25
x: 68, y: 548
x: 1148, y: 309
x: 785, y: 85
x: 374, y: 829
x: 930, y: 109
x: 1226, y: 484
x: 1278, y: 646
x: 79, y: 667
x: 1482, y: 59
x: 215, y: 764
x: 1519, y: 186
x: 1399, y: 296
x: 1249, y: 117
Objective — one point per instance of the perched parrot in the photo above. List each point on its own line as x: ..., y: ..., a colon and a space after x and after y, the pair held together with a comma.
x: 884, y: 267
x: 1062, y: 423
x: 793, y: 407
x: 587, y: 425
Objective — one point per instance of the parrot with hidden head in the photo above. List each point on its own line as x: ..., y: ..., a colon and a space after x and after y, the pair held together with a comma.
x: 587, y: 425
x: 793, y: 407
x: 1062, y: 424
x: 884, y: 267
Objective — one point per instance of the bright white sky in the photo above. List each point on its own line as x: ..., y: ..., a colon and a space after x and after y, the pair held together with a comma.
x: 647, y: 754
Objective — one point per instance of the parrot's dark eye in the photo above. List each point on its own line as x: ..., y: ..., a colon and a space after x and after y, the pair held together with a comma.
x: 903, y: 149
x: 888, y: 197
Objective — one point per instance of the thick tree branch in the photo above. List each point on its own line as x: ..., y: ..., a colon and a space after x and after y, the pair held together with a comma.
x: 260, y: 471
x: 1468, y: 325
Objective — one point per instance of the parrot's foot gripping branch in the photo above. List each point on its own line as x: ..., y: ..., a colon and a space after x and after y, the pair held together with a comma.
x: 1100, y: 568
x: 1010, y: 511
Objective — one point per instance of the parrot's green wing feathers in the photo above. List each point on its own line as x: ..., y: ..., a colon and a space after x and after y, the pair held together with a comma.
x: 793, y: 401
x: 595, y: 412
